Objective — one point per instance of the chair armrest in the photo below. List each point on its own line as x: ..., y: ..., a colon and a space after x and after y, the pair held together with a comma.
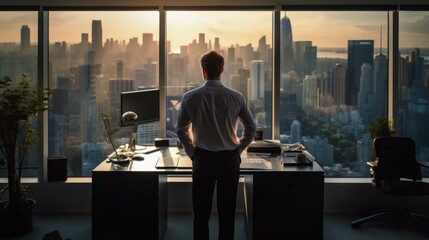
x: 372, y: 163
x: 424, y: 164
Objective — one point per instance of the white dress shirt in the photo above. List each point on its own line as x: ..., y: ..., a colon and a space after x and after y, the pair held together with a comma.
x: 208, y: 119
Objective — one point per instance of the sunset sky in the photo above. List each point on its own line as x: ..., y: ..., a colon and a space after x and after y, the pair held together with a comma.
x: 325, y: 29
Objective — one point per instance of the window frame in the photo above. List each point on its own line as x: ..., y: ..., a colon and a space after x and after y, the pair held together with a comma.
x: 43, y: 45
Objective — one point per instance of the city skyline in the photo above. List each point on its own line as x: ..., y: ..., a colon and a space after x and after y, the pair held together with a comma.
x: 318, y: 27
x: 332, y: 99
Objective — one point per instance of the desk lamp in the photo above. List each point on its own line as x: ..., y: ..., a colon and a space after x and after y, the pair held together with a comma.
x: 127, y: 116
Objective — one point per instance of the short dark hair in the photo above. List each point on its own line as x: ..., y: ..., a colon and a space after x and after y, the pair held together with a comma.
x: 212, y: 62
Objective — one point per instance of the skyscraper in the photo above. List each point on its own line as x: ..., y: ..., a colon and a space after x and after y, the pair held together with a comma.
x: 286, y: 45
x: 366, y: 98
x: 380, y: 84
x: 263, y: 49
x: 97, y: 40
x: 417, y: 112
x: 257, y: 82
x: 305, y: 57
x: 217, y: 44
x: 148, y: 47
x: 339, y: 84
x: 25, y: 38
x: 358, y: 53
x: 119, y: 69
x: 295, y: 131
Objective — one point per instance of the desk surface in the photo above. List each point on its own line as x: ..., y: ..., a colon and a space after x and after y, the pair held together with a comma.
x: 150, y: 160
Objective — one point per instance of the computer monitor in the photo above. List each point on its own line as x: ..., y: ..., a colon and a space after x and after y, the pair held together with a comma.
x: 145, y: 103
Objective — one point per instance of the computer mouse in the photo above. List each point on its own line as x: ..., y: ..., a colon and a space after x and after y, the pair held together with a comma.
x: 138, y: 157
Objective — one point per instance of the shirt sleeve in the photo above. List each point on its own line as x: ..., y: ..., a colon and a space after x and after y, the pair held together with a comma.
x: 249, y: 131
x: 184, y: 127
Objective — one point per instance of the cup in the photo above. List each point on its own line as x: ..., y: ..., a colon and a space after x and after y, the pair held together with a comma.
x: 277, y: 163
x: 301, y: 158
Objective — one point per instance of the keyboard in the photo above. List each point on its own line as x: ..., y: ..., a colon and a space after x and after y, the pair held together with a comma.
x: 252, y: 163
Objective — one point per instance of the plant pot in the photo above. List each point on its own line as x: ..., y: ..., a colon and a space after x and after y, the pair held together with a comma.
x: 17, y: 222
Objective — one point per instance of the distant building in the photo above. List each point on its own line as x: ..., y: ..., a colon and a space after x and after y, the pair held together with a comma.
x: 286, y: 45
x: 358, y: 53
x: 25, y: 38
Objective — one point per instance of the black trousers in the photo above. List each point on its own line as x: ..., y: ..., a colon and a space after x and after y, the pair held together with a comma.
x: 210, y: 169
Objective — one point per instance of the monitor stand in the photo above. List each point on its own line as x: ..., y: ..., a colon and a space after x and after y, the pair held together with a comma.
x: 133, y: 137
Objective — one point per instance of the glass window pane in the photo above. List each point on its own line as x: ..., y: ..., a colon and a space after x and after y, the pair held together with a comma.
x: 18, y: 55
x: 333, y: 84
x: 94, y: 56
x: 243, y: 37
x: 413, y: 89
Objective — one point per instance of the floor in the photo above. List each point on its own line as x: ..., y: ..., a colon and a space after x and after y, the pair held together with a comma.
x: 336, y: 227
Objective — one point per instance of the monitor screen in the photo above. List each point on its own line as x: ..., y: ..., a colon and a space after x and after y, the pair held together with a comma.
x: 145, y: 103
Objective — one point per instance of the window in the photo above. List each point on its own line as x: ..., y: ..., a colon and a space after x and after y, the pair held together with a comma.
x: 333, y: 84
x: 413, y: 83
x: 18, y: 55
x: 245, y: 40
x: 93, y: 57
x: 333, y: 79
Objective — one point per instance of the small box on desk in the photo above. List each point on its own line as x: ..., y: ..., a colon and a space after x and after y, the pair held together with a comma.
x: 57, y: 169
x: 265, y: 146
x: 162, y: 142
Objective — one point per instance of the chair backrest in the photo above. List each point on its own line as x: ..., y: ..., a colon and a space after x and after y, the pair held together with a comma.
x: 396, y: 159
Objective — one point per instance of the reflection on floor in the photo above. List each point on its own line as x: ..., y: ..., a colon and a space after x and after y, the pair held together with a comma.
x: 336, y: 227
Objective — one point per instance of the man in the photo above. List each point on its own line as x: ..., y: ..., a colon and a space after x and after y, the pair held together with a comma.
x: 207, y: 128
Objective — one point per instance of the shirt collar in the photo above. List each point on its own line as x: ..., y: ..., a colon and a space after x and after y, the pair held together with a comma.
x: 213, y: 83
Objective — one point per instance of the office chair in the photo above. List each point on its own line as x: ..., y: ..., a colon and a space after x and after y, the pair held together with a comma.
x: 397, y: 172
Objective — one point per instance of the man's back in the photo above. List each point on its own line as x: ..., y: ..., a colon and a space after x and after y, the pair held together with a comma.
x: 215, y: 109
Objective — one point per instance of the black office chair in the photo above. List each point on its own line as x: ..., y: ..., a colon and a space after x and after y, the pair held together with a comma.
x: 397, y: 172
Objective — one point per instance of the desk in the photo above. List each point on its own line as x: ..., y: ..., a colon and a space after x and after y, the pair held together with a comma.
x: 130, y: 201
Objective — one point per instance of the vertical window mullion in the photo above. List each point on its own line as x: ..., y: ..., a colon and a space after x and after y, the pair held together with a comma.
x: 42, y: 82
x: 393, y: 69
x: 275, y: 125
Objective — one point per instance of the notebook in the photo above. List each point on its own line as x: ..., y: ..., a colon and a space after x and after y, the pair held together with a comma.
x: 167, y: 162
x: 252, y: 163
x: 185, y: 162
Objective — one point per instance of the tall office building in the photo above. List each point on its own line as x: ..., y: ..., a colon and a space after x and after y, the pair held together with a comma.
x: 358, y: 53
x: 97, y: 40
x: 84, y: 38
x: 202, y: 42
x: 288, y: 110
x: 231, y: 55
x: 217, y: 44
x: 286, y: 45
x: 152, y: 73
x: 305, y: 57
x: 417, y: 106
x: 295, y: 131
x: 263, y: 49
x: 366, y: 97
x: 25, y: 38
x: 148, y: 48
x: 380, y: 84
x: 339, y: 84
x: 119, y: 69
x: 257, y: 80
x: 310, y: 92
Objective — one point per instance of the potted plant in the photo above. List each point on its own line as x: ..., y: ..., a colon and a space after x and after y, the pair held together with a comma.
x: 19, y: 105
x: 381, y: 127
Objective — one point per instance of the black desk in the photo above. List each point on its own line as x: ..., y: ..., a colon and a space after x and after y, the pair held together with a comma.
x: 130, y: 201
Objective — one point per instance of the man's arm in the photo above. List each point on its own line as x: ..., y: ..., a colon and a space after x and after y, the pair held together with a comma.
x: 183, y: 131
x: 249, y: 131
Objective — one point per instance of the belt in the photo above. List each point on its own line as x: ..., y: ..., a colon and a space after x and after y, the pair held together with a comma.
x: 220, y: 152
